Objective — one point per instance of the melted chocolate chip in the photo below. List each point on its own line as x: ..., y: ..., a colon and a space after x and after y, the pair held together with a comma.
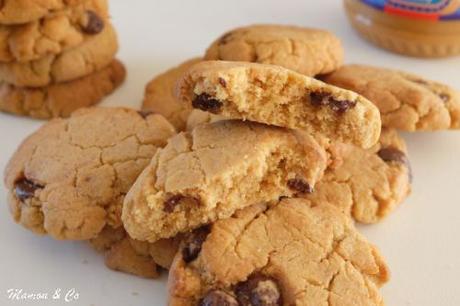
x: 94, y: 23
x: 326, y: 99
x: 172, y: 202
x: 206, y: 103
x: 145, y: 113
x: 223, y: 82
x: 259, y: 290
x: 391, y: 154
x: 218, y: 298
x: 25, y: 189
x: 299, y: 185
x: 193, y: 244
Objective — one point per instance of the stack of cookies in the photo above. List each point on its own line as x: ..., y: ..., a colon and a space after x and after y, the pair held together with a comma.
x: 243, y: 175
x: 56, y: 56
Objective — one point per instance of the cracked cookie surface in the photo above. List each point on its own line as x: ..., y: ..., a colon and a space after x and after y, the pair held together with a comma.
x: 60, y: 100
x: 307, y: 51
x: 367, y: 184
x: 210, y: 172
x: 160, y: 98
x: 406, y: 101
x: 277, y: 96
x: 24, y: 11
x: 70, y: 177
x: 92, y: 55
x: 296, y: 252
x: 53, y: 34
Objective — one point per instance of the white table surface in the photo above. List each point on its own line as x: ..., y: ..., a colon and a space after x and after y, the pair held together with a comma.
x: 420, y: 240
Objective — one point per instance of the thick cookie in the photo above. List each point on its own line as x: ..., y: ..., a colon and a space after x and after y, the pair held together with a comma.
x: 278, y: 96
x: 297, y: 252
x: 60, y: 100
x: 406, y: 101
x: 160, y: 98
x: 70, y: 177
x: 216, y: 169
x: 94, y: 54
x: 367, y: 184
x: 307, y: 51
x: 54, y: 33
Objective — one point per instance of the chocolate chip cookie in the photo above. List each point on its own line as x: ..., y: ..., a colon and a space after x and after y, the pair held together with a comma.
x: 92, y: 55
x: 24, y: 11
x: 54, y: 33
x: 307, y: 51
x: 216, y: 169
x: 406, y: 101
x: 160, y: 98
x: 296, y: 252
x: 278, y: 96
x: 70, y: 177
x: 367, y: 184
x: 60, y: 100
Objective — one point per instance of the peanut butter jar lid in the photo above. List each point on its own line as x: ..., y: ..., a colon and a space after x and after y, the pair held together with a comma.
x: 422, y: 28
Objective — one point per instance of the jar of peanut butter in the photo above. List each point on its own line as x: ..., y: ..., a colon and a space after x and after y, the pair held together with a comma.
x: 423, y: 28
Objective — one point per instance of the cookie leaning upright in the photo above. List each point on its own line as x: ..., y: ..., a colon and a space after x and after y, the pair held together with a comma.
x: 209, y: 173
x: 305, y: 50
x: 278, y: 96
x: 296, y: 252
x: 70, y: 47
x: 406, y: 101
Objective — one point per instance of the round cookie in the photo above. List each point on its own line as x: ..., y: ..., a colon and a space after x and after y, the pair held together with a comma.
x: 406, y: 101
x: 209, y: 173
x: 92, y: 55
x: 60, y: 100
x: 277, y: 96
x: 24, y: 11
x: 307, y: 51
x: 70, y: 177
x: 54, y: 33
x: 296, y: 252
x: 367, y: 184
x: 159, y: 95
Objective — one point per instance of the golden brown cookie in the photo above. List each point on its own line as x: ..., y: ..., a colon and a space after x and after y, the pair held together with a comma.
x: 278, y: 96
x: 54, y: 33
x: 92, y: 55
x: 24, y: 11
x: 70, y: 177
x: 216, y: 169
x: 160, y: 98
x: 297, y: 252
x: 60, y: 100
x: 307, y: 51
x: 407, y: 102
x: 367, y: 184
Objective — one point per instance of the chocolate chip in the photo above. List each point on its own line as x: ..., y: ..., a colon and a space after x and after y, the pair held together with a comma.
x: 326, y: 99
x: 145, y: 113
x: 208, y: 104
x: 299, y: 185
x: 25, y: 189
x: 172, y: 202
x: 94, y: 23
x: 218, y: 298
x: 391, y: 154
x: 223, y: 82
x: 193, y: 243
x: 259, y: 290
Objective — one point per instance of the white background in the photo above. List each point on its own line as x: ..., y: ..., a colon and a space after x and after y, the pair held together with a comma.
x: 420, y: 240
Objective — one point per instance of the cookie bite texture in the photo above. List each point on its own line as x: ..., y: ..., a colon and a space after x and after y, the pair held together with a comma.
x: 367, y: 184
x: 296, y: 252
x: 69, y: 178
x: 406, y: 101
x: 210, y: 172
x: 305, y: 50
x: 277, y: 96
